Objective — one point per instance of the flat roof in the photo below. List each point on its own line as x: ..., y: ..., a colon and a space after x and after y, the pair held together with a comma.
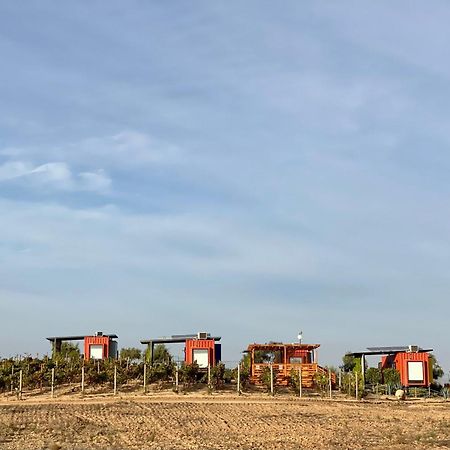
x: 78, y: 338
x: 387, y: 351
x: 177, y: 340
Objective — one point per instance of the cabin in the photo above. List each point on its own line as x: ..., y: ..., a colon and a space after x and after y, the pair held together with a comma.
x: 285, y: 358
x: 412, y: 362
x: 97, y: 346
x: 201, y: 348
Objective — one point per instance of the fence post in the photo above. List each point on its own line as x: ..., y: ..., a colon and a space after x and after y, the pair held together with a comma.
x: 340, y: 379
x: 271, y: 379
x: 329, y: 381
x: 115, y: 379
x: 82, y: 379
x: 145, y: 377
x: 300, y: 382
x: 12, y: 378
x: 209, y: 376
x: 239, y: 379
x: 53, y: 382
x: 177, y: 379
x: 356, y: 385
x: 20, y: 384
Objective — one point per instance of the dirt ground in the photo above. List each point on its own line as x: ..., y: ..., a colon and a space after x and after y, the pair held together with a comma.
x: 201, y: 421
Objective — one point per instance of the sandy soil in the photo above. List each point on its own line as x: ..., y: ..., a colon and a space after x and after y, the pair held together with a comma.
x: 201, y: 421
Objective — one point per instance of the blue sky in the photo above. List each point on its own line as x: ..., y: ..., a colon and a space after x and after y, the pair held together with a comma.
x: 245, y: 168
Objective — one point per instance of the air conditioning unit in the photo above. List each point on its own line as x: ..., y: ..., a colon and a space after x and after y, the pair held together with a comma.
x: 413, y: 349
x: 202, y: 335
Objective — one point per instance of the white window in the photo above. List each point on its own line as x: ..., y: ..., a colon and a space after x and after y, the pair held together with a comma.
x: 96, y: 352
x: 415, y: 371
x: 200, y: 356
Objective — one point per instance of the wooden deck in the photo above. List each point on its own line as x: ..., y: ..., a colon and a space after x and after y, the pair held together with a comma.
x: 282, y: 373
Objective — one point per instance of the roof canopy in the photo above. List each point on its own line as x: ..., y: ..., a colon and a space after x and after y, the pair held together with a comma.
x: 78, y: 338
x: 177, y: 339
x: 280, y: 346
x: 388, y: 351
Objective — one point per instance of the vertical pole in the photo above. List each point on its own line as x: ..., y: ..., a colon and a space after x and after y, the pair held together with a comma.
x: 53, y: 382
x: 209, y: 376
x: 340, y: 379
x: 271, y: 379
x: 12, y: 378
x: 145, y: 377
x: 82, y: 379
x: 363, y: 371
x: 239, y: 379
x: 98, y: 366
x: 115, y: 379
x: 329, y: 380
x: 20, y: 384
x: 177, y: 378
x: 356, y: 386
x: 300, y: 383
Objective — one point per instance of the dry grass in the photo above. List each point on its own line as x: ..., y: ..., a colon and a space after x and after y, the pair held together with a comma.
x: 221, y: 422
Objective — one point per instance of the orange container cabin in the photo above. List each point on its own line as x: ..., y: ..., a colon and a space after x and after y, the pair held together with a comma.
x: 415, y: 368
x: 286, y: 359
x: 201, y: 348
x: 98, y: 346
x: 204, y: 352
x: 412, y: 362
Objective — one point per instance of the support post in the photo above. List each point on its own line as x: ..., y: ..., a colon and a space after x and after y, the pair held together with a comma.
x: 12, y: 379
x: 177, y: 379
x: 53, y: 382
x: 115, y: 379
x: 20, y: 384
x: 271, y: 379
x: 329, y: 381
x: 82, y: 379
x: 300, y: 382
x: 209, y: 376
x: 356, y: 386
x: 363, y: 370
x: 239, y: 379
x: 340, y: 379
x: 145, y: 377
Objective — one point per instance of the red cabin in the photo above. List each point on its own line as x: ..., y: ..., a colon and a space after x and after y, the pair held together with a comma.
x: 415, y: 368
x: 201, y: 348
x: 98, y: 346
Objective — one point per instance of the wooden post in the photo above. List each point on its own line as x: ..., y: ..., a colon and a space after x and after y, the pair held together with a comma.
x: 300, y: 382
x: 20, y: 384
x: 329, y: 381
x: 239, y: 379
x: 271, y: 379
x: 98, y: 366
x: 145, y: 377
x: 53, y: 382
x: 115, y: 379
x: 363, y: 370
x: 12, y: 379
x: 356, y: 386
x: 209, y: 376
x: 82, y: 379
x: 340, y: 379
x: 177, y: 379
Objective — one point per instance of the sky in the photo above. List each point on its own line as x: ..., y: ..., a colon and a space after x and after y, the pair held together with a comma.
x: 250, y: 169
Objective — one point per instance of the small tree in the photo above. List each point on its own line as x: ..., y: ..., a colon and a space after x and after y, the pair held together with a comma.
x: 373, y: 375
x: 130, y: 353
x: 349, y: 362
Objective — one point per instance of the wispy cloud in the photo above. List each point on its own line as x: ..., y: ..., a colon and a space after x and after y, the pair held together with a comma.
x: 56, y: 175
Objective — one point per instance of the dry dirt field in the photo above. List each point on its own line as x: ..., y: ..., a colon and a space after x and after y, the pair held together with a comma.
x: 221, y: 422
